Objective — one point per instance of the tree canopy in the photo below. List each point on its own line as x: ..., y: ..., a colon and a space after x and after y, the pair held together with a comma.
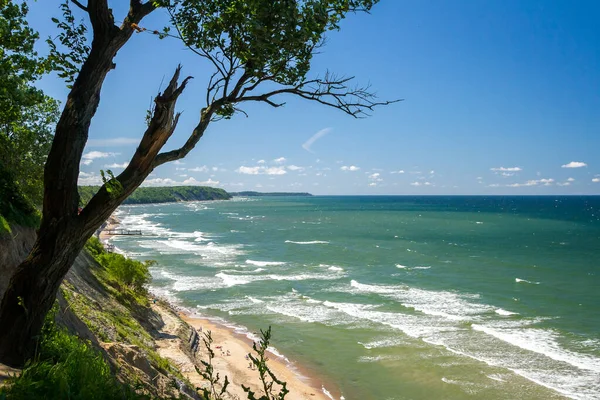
x: 27, y: 115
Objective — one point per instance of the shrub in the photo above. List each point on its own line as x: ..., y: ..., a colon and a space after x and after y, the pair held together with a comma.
x: 65, y: 367
x: 127, y: 272
x: 94, y: 247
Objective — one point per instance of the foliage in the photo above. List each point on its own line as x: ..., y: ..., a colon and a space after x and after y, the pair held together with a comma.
x: 112, y: 184
x: 214, y: 380
x: 65, y: 367
x: 267, y: 377
x: 72, y: 37
x: 27, y: 116
x: 4, y: 226
x: 94, y: 247
x: 15, y: 207
x: 144, y: 195
x: 129, y: 273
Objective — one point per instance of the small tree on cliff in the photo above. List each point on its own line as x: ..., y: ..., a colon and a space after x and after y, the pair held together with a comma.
x: 261, y: 51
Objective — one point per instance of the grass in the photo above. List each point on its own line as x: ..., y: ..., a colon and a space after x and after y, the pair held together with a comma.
x: 4, y: 227
x: 65, y: 367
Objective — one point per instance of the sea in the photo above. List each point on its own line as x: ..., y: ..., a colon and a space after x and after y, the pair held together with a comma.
x: 395, y: 297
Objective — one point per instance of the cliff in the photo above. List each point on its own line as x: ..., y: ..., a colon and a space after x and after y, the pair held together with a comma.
x: 147, y: 195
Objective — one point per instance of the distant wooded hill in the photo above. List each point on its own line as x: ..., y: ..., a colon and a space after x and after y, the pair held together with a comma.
x: 145, y: 195
x: 251, y: 194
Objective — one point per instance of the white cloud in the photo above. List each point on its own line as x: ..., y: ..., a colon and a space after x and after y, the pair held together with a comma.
x: 249, y: 170
x: 372, y: 184
x: 89, y: 157
x: 172, y: 182
x: 564, y: 184
x: 192, y: 182
x: 375, y: 177
x: 571, y: 180
x: 275, y: 171
x: 307, y: 145
x: 398, y: 172
x: 260, y: 170
x: 508, y: 174
x: 295, y: 168
x: 89, y: 179
x: 203, y: 168
x: 350, y: 168
x: 575, y: 164
x: 177, y: 162
x: 509, y: 169
x: 596, y: 180
x: 280, y: 160
x: 159, y: 182
x: 115, y: 165
x: 421, y: 184
x: 261, y: 161
x: 545, y: 182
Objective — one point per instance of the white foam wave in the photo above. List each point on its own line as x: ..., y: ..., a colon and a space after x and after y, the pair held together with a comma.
x: 264, y: 263
x: 326, y: 393
x: 401, y: 266
x: 501, y: 311
x: 542, y: 341
x: 526, y: 281
x: 311, y: 242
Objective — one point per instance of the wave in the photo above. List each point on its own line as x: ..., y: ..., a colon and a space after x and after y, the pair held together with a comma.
x: 501, y: 311
x: 401, y: 266
x: 264, y: 263
x: 517, y: 280
x: 541, y: 341
x: 326, y: 393
x: 311, y: 242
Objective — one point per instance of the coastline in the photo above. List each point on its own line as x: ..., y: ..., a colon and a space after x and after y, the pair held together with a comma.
x: 301, y: 383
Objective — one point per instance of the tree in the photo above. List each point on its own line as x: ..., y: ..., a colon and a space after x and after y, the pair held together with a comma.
x: 27, y: 115
x: 260, y: 50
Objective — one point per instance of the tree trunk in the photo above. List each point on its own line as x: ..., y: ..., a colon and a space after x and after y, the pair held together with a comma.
x: 63, y: 232
x: 32, y: 291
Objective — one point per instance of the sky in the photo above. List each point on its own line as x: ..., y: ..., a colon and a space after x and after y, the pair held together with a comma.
x: 499, y: 97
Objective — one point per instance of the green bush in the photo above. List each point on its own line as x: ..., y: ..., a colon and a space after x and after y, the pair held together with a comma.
x: 15, y: 207
x: 65, y: 367
x: 4, y: 226
x: 94, y: 247
x: 129, y: 273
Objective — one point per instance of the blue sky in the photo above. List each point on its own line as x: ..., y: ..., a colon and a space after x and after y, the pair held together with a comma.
x: 500, y: 97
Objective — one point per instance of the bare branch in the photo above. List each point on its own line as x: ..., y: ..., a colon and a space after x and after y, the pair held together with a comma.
x: 330, y: 91
x: 78, y: 4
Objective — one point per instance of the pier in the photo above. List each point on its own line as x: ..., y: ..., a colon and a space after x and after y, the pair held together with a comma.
x: 124, y: 232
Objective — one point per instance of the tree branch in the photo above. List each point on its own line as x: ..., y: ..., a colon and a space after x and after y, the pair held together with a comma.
x: 162, y: 125
x: 330, y: 91
x: 78, y: 4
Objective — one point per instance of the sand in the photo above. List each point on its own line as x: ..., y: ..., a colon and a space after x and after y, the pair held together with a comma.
x: 230, y: 355
x: 230, y: 350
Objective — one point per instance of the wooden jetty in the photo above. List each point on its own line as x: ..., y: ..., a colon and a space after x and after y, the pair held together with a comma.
x: 124, y: 232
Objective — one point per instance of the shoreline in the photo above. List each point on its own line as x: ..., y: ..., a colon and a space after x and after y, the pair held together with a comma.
x: 302, y: 382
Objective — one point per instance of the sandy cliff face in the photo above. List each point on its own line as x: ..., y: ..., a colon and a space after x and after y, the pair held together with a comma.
x: 13, y: 250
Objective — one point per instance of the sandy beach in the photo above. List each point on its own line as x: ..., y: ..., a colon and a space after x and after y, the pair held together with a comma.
x: 231, y: 349
x: 231, y: 361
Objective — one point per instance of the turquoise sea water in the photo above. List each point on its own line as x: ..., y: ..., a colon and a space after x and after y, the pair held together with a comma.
x: 396, y: 297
